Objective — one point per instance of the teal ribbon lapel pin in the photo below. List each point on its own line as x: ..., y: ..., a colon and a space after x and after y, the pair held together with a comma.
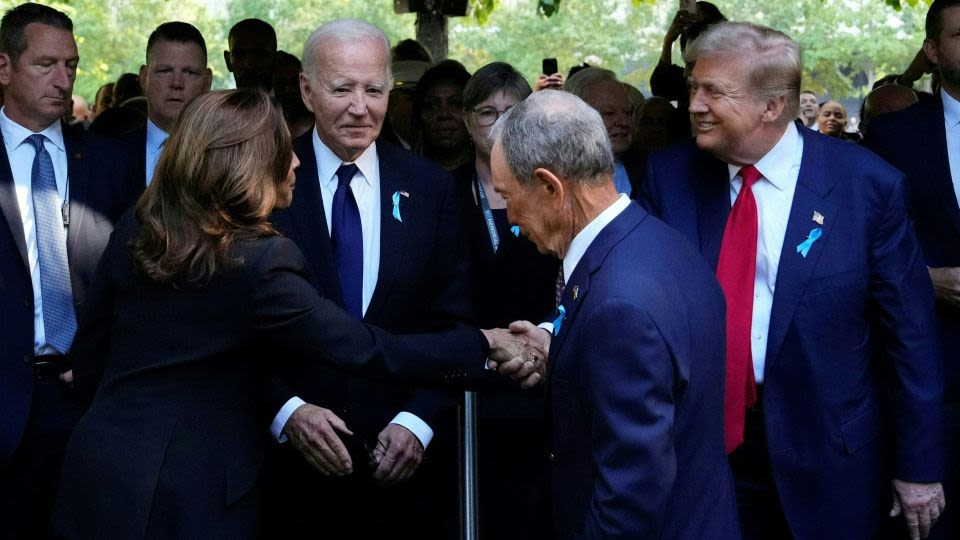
x: 804, y: 247
x: 561, y: 313
x: 515, y: 230
x: 396, y: 204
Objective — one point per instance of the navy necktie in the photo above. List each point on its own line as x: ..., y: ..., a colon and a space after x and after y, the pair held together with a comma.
x: 56, y: 293
x: 347, y: 238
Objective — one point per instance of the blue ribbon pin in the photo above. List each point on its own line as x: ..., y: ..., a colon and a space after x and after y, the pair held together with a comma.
x: 515, y: 230
x: 561, y: 313
x: 804, y: 247
x: 396, y: 206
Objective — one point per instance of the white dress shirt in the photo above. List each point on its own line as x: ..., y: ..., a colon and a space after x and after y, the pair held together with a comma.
x: 21, y: 155
x: 951, y: 117
x: 780, y: 169
x: 366, y: 190
x: 155, y: 139
x: 581, y: 242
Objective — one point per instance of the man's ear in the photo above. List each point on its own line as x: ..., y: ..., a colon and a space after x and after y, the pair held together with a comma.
x: 143, y: 77
x: 226, y: 60
x: 207, y: 79
x: 6, y: 68
x: 548, y: 186
x: 774, y: 109
x: 306, y: 92
x: 930, y: 49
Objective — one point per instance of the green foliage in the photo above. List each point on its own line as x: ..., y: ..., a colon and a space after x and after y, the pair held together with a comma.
x: 841, y: 38
x: 481, y: 9
x: 296, y: 19
x: 112, y: 35
x: 548, y: 7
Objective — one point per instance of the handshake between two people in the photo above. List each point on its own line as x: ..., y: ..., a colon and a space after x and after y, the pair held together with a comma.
x: 519, y: 352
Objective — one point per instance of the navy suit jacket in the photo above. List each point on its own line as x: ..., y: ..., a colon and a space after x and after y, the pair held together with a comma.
x: 851, y: 330
x: 99, y: 192
x: 636, y: 391
x: 914, y: 140
x: 422, y: 285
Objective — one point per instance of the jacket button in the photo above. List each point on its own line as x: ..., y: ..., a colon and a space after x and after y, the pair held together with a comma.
x: 552, y: 457
x: 26, y: 359
x: 26, y: 302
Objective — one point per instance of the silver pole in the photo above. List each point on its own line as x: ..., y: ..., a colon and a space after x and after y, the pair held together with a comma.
x: 469, y: 519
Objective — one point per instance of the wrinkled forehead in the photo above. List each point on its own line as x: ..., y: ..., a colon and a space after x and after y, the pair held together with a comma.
x: 46, y: 40
x: 338, y: 57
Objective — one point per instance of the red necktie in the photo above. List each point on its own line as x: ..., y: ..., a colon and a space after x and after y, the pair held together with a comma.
x: 736, y: 271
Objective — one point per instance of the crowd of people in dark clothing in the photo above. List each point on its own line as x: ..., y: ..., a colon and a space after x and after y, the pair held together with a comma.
x: 347, y: 454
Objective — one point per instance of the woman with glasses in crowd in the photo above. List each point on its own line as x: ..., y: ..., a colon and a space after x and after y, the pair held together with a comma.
x: 511, y: 281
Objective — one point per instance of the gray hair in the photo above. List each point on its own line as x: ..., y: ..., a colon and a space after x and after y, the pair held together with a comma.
x: 587, y: 77
x: 556, y: 131
x: 343, y: 30
x: 776, y: 61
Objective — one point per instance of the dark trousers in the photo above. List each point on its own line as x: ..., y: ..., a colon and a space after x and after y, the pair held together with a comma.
x: 761, y: 515
x: 299, y: 502
x: 28, y: 485
x: 513, y: 474
x: 948, y: 526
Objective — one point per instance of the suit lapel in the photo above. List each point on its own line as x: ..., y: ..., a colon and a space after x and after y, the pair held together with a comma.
x: 9, y: 206
x: 813, y: 187
x: 933, y: 130
x: 77, y: 185
x: 394, y: 234
x: 713, y: 204
x: 310, y: 220
x: 577, y: 288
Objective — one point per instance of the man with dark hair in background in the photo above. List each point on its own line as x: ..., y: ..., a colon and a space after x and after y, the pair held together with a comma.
x: 253, y: 46
x: 58, y: 206
x: 809, y: 109
x: 923, y: 141
x: 176, y: 72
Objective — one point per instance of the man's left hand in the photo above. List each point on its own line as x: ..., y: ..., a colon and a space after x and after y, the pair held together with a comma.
x: 946, y: 284
x: 397, y: 455
x: 920, y: 504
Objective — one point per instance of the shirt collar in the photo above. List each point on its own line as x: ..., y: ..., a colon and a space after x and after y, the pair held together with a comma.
x: 588, y: 234
x: 328, y: 162
x: 155, y: 136
x: 14, y: 134
x: 951, y: 109
x: 776, y: 165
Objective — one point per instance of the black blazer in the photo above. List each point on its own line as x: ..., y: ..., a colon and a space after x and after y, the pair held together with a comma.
x: 172, y: 444
x: 914, y: 140
x: 100, y: 191
x: 422, y: 285
x: 517, y: 282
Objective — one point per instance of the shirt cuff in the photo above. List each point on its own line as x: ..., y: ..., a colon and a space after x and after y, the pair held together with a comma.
x: 548, y: 326
x: 280, y: 420
x: 418, y: 427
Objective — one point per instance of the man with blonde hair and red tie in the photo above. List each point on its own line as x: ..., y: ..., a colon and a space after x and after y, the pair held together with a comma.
x: 834, y: 373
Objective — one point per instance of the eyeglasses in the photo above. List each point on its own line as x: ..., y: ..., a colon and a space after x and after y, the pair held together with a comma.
x: 486, y: 116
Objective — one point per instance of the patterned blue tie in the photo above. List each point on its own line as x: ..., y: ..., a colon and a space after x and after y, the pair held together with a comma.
x: 56, y: 294
x: 347, y: 240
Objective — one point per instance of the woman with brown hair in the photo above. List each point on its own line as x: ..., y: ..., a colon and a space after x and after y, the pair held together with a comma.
x: 196, y: 299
